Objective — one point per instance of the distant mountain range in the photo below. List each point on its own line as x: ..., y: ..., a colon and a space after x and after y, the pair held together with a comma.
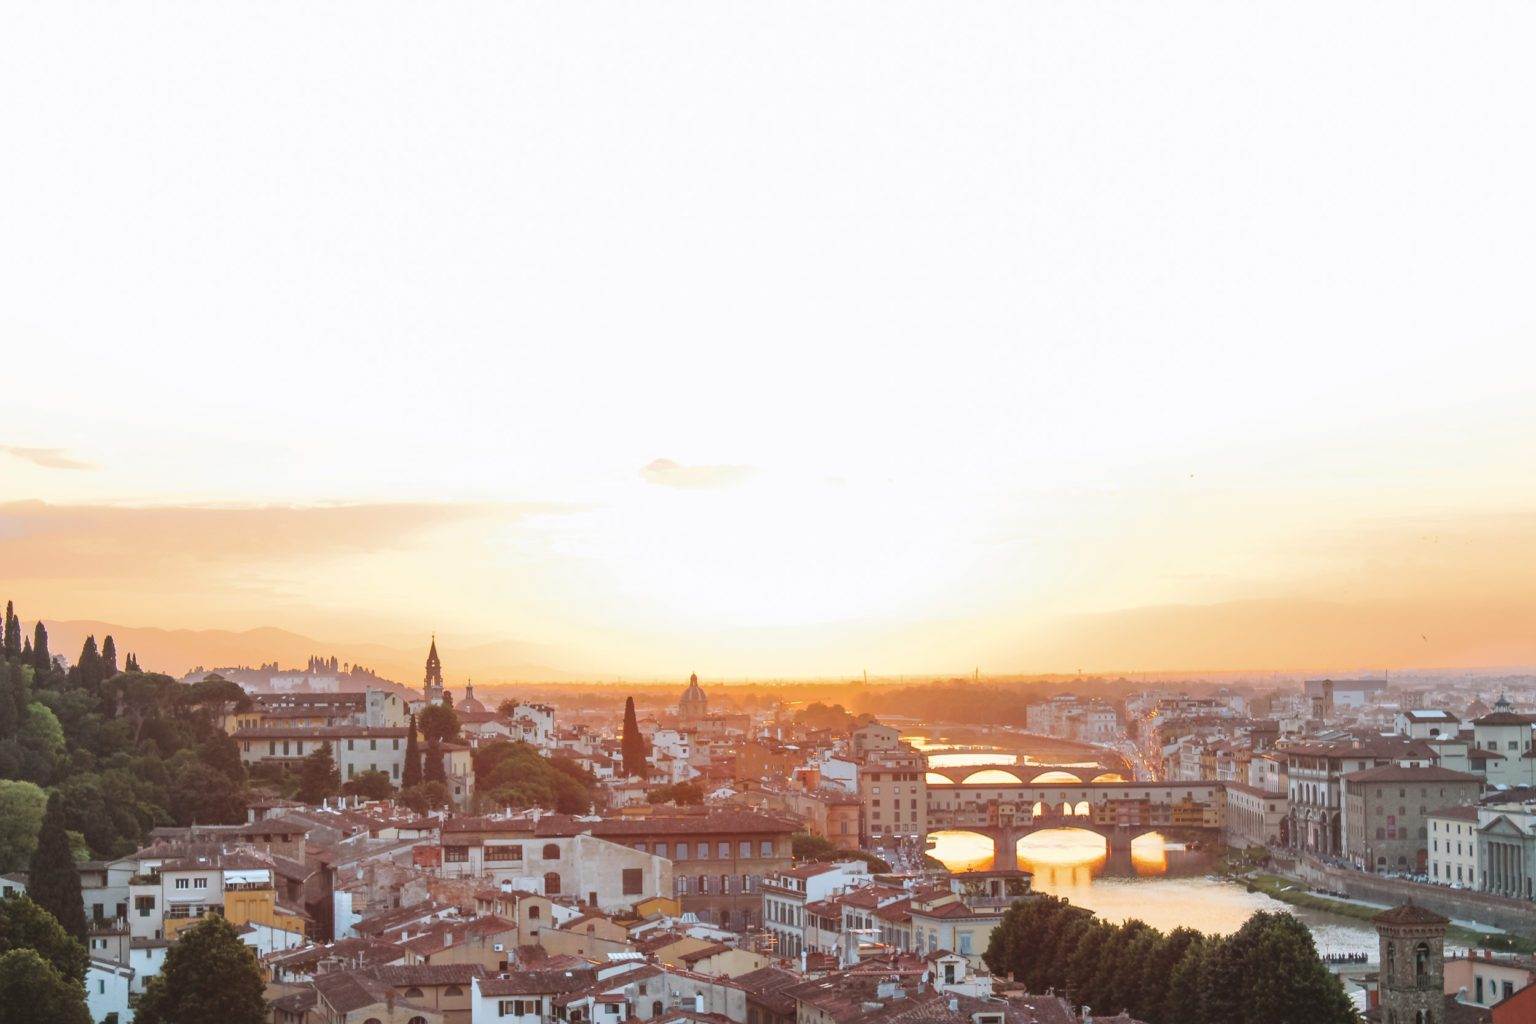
x: 178, y: 651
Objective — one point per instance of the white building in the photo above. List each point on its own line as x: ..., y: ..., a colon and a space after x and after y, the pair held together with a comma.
x: 534, y: 724
x: 786, y: 894
x: 355, y: 748
x: 506, y: 851
x: 107, y: 984
x: 1507, y: 734
x: 1427, y: 724
x: 1453, y: 846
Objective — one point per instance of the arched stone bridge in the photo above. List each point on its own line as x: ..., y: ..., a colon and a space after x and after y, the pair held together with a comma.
x: 1118, y: 811
x: 1020, y: 774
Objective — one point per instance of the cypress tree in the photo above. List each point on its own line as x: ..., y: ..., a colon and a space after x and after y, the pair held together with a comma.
x: 54, y: 882
x: 632, y: 744
x: 108, y: 658
x: 12, y: 640
x: 42, y: 661
x: 410, y: 775
x: 432, y: 771
x: 15, y: 682
x: 132, y: 665
x: 87, y: 672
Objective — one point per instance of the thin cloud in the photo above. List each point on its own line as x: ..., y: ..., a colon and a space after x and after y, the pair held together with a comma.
x: 43, y: 541
x: 48, y: 458
x: 666, y: 473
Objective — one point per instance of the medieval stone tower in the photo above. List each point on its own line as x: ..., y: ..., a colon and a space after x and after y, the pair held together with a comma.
x: 1412, y: 978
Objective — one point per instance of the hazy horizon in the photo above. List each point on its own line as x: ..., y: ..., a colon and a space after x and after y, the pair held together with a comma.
x: 756, y: 341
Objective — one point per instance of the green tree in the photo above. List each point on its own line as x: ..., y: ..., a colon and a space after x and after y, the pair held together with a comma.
x: 432, y: 769
x: 209, y: 975
x: 410, y: 775
x: 41, y: 659
x: 632, y: 743
x: 318, y: 776
x: 221, y: 753
x: 201, y: 794
x: 25, y: 925
x: 12, y: 638
x: 88, y: 672
x: 1281, y: 977
x: 53, y: 880
x: 371, y: 785
x: 688, y: 794
x: 108, y: 658
x: 1183, y: 1000
x: 32, y: 991
x: 1155, y: 970
x: 21, y: 817
x: 428, y: 796
x: 17, y: 683
x: 512, y: 774
x: 439, y: 723
x: 42, y: 743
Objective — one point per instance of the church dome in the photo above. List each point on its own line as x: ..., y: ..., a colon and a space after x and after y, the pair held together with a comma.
x: 469, y: 703
x: 693, y: 701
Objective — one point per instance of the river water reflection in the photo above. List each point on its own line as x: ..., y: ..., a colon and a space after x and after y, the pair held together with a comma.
x: 1169, y: 886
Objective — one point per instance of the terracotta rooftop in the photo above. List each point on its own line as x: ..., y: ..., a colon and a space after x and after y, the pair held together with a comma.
x: 1409, y: 913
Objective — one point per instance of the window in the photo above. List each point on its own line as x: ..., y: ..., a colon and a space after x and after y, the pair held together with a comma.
x: 661, y: 849
x: 183, y: 883
x: 199, y: 883
x: 453, y: 990
x: 703, y: 850
x: 552, y: 883
x: 455, y: 854
x: 634, y: 881
x: 503, y: 853
x: 551, y: 851
x: 744, y: 848
x: 413, y: 993
x: 682, y: 851
x: 765, y: 848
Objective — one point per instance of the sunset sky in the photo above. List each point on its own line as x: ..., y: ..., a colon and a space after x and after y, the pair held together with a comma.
x: 778, y: 339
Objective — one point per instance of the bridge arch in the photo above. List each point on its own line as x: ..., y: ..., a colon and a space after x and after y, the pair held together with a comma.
x: 1109, y: 777
x: 1056, y: 777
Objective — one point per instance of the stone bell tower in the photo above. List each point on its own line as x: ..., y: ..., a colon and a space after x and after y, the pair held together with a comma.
x: 1412, y: 978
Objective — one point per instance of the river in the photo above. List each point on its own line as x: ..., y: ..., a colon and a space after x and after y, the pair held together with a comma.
x: 1170, y: 886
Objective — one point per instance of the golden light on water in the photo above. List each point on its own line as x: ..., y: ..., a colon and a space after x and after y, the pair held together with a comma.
x: 1059, y: 857
x: 962, y: 851
x: 961, y: 760
x: 1056, y: 777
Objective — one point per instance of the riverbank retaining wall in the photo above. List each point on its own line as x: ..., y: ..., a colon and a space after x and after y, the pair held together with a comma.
x: 1516, y: 916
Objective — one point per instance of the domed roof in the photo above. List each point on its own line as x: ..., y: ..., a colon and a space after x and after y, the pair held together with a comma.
x: 469, y: 703
x: 694, y: 694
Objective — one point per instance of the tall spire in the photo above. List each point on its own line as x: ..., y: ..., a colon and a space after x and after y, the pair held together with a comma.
x: 432, y: 681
